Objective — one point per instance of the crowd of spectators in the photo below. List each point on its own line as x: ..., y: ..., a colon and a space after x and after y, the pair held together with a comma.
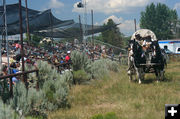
x: 57, y: 54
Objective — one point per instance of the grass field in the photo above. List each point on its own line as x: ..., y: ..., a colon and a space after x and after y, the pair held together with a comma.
x: 127, y: 100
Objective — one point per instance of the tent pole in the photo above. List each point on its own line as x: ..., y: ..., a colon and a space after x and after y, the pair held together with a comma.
x: 135, y: 24
x: 21, y: 38
x: 27, y: 23
x: 81, y: 34
x: 6, y: 36
x: 92, y: 28
x: 51, y: 24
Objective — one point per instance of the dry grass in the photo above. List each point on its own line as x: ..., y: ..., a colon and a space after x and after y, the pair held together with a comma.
x: 127, y: 100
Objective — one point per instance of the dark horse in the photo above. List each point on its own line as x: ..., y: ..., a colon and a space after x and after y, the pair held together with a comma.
x: 145, y: 59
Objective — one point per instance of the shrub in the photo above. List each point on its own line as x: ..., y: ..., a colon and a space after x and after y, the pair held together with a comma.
x: 100, y: 68
x: 110, y: 115
x: 80, y: 76
x: 80, y: 61
x: 67, y: 77
x: 46, y: 72
x: 99, y: 116
x: 55, y: 94
x: 4, y: 90
x: 112, y: 65
x: 19, y: 101
x: 6, y: 112
x: 51, y: 96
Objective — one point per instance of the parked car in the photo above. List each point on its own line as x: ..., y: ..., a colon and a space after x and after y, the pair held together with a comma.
x: 178, y: 50
x: 167, y: 51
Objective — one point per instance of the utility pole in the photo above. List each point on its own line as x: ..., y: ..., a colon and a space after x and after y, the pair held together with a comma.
x: 4, y: 35
x: 92, y: 27
x: 51, y: 24
x: 27, y: 23
x: 82, y: 4
x: 85, y: 21
x: 135, y: 24
x: 81, y: 32
x: 92, y: 32
x: 21, y: 38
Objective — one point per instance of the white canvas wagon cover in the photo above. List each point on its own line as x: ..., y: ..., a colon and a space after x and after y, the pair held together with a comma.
x: 145, y: 33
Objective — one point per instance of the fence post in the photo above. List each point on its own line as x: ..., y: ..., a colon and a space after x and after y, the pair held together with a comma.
x: 37, y: 84
x: 11, y: 87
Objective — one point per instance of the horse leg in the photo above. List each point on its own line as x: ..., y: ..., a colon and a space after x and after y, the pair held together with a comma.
x: 162, y: 75
x: 142, y: 75
x: 139, y: 75
x: 130, y: 77
x: 157, y: 73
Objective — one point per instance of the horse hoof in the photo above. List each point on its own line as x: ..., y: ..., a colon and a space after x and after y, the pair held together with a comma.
x: 139, y: 82
x: 129, y: 72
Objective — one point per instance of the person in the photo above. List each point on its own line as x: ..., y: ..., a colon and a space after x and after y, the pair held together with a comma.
x: 112, y: 54
x: 138, y: 37
x: 61, y: 61
x: 4, y: 70
x: 120, y: 55
x: 67, y: 58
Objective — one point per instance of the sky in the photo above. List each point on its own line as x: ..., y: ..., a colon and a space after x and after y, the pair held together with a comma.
x: 121, y: 11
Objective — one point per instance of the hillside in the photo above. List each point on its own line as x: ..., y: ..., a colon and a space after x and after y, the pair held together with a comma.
x: 127, y: 100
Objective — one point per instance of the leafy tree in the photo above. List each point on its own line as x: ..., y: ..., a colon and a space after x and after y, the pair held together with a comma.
x: 112, y: 35
x: 160, y: 19
x: 36, y: 39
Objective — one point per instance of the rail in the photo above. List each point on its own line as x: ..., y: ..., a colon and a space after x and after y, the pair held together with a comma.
x: 19, y: 74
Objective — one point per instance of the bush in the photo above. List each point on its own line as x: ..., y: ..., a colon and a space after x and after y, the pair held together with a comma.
x: 110, y: 115
x: 6, y: 112
x: 80, y: 76
x: 80, y: 61
x: 100, y: 68
x: 99, y: 116
x: 67, y: 77
x: 51, y: 96
x: 4, y: 90
x: 24, y: 102
x: 112, y: 65
x: 46, y: 72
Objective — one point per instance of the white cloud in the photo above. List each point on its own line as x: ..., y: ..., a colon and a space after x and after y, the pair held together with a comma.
x: 112, y: 6
x: 177, y: 6
x: 55, y: 4
x: 126, y: 26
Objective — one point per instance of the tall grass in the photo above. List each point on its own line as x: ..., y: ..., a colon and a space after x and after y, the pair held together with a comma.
x: 128, y: 100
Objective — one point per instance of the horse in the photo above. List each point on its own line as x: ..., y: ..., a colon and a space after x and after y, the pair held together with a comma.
x: 145, y: 59
x: 133, y: 61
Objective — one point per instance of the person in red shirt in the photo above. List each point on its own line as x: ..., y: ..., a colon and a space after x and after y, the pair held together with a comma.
x: 67, y: 58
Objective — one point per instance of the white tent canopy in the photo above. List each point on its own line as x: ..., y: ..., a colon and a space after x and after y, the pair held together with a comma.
x: 47, y: 39
x: 144, y: 33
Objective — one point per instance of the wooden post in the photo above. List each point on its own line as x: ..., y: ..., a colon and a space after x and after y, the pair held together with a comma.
x: 81, y: 32
x: 11, y: 87
x: 92, y: 33
x: 27, y: 23
x: 21, y: 38
x: 37, y: 84
x: 135, y: 24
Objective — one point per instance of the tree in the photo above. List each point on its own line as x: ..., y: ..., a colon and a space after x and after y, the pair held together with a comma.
x: 112, y: 35
x: 160, y: 19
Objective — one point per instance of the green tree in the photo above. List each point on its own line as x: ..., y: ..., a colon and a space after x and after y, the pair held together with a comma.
x: 160, y: 19
x: 112, y: 35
